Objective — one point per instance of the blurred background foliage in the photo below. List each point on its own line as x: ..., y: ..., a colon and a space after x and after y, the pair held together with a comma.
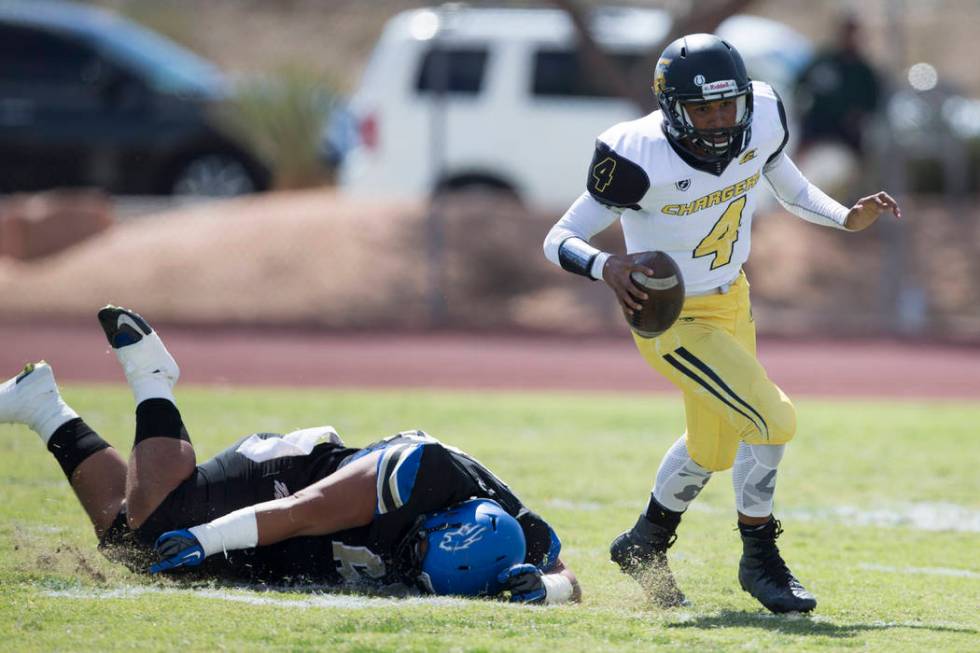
x: 281, y: 116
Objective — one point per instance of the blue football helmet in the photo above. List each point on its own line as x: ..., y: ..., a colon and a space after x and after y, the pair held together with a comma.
x: 462, y: 549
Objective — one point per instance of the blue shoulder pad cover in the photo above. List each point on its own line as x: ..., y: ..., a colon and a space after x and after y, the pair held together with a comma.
x: 398, y: 466
x: 615, y: 180
x: 553, y: 552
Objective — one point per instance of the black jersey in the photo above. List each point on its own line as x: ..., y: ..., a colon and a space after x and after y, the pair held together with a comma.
x: 417, y: 475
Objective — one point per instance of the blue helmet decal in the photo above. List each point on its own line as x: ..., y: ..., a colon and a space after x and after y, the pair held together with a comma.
x: 467, y: 546
x: 463, y: 538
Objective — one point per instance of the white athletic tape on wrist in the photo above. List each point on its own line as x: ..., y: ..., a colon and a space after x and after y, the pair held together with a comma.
x: 557, y: 589
x: 598, y: 265
x: 236, y: 530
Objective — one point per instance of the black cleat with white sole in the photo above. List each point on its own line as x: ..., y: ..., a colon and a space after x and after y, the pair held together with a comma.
x: 763, y: 573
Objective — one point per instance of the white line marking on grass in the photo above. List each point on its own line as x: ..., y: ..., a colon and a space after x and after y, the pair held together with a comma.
x: 932, y: 571
x: 924, y: 516
x: 333, y: 601
x: 878, y: 623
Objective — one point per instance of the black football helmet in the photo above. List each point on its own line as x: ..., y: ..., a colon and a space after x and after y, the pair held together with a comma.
x: 703, y: 68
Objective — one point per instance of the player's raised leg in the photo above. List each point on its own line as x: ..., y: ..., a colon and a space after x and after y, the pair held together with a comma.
x: 162, y: 455
x: 96, y: 471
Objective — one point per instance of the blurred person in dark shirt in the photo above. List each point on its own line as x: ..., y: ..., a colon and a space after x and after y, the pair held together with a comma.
x: 839, y: 91
x: 838, y: 94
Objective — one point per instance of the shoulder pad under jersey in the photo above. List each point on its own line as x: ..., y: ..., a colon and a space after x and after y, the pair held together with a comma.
x: 615, y: 180
x: 765, y: 97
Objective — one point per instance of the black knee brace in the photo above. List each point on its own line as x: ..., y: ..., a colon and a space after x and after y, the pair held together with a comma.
x: 72, y: 443
x: 159, y: 418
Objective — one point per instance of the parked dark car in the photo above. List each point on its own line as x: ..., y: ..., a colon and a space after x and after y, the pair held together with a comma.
x: 88, y: 98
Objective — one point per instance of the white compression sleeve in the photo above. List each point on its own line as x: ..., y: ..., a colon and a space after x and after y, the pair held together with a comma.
x: 754, y: 477
x: 679, y: 478
x: 800, y: 197
x: 236, y: 530
x: 584, y: 218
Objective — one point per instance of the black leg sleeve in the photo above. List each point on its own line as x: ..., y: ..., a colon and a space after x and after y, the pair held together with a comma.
x: 159, y: 418
x: 72, y: 443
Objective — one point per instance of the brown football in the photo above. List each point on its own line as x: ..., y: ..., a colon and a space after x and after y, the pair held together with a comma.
x: 666, y: 294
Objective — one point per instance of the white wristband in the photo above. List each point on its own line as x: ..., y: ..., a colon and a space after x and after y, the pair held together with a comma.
x: 236, y: 530
x: 600, y: 262
x: 557, y: 589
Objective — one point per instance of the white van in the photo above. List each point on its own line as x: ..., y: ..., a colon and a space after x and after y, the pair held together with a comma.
x: 457, y: 96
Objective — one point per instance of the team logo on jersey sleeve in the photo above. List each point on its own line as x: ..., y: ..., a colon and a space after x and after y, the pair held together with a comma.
x: 748, y: 156
x: 683, y: 184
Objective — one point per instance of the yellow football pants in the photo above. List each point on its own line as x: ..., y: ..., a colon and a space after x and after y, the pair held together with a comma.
x: 710, y: 355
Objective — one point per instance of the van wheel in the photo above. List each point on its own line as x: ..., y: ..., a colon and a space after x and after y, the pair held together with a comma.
x: 213, y: 175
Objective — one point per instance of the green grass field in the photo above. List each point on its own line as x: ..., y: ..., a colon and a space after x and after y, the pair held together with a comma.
x: 880, y: 504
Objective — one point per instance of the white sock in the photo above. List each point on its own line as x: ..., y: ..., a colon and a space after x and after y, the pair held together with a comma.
x: 679, y: 478
x: 151, y: 387
x: 49, y: 417
x: 754, y: 477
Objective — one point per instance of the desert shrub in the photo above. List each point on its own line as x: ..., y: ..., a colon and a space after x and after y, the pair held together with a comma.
x: 282, y: 117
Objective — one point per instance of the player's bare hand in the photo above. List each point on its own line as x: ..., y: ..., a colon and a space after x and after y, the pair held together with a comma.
x: 616, y: 273
x: 866, y: 210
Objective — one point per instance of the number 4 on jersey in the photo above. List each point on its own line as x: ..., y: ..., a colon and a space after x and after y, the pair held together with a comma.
x: 721, y: 239
x: 602, y: 173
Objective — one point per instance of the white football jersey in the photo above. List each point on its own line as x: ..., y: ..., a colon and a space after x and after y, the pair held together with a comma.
x: 703, y: 221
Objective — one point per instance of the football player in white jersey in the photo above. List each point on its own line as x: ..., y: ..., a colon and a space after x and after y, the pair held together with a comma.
x: 683, y: 180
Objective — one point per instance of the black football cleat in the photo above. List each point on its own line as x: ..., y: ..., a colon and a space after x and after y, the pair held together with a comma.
x: 641, y: 553
x: 763, y: 573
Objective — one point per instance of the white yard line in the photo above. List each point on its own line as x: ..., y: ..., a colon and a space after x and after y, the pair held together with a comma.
x: 923, y: 516
x: 931, y: 571
x: 335, y: 601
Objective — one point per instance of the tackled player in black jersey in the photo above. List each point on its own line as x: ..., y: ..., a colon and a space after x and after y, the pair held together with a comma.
x: 295, y: 508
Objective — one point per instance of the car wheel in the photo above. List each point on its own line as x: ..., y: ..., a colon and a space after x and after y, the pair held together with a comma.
x: 213, y: 175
